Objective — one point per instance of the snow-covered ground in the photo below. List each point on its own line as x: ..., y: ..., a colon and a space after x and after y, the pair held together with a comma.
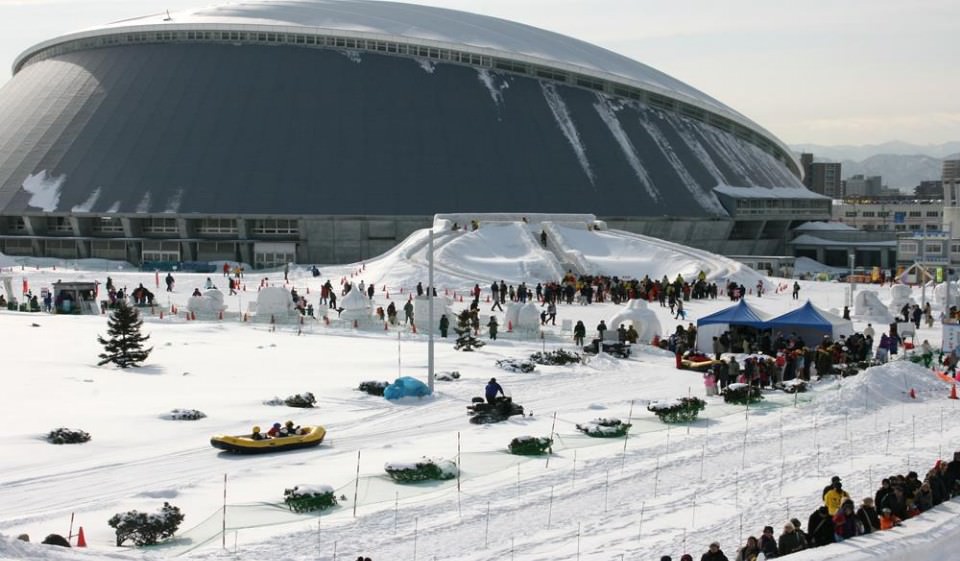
x: 665, y: 490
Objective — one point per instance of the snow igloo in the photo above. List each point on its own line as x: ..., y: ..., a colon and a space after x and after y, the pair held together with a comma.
x: 644, y: 320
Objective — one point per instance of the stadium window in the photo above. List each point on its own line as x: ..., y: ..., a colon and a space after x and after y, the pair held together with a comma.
x: 850, y: 214
x: 932, y: 214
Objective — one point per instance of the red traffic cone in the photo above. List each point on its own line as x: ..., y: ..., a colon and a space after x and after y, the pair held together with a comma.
x: 414, y: 326
x: 173, y: 309
x: 220, y: 315
x: 401, y: 290
x: 509, y: 327
x: 193, y: 316
x: 385, y: 326
x: 246, y: 316
x: 913, y: 394
x: 461, y: 298
x: 953, y: 391
x: 161, y: 314
x: 488, y: 299
x: 355, y: 324
x: 81, y: 540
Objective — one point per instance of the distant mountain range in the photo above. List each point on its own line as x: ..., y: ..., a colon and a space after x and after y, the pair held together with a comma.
x: 902, y: 165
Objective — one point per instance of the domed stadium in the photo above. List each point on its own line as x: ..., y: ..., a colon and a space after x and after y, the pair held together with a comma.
x: 325, y: 131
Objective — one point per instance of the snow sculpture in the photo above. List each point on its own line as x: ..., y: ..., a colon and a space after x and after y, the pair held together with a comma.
x: 356, y: 308
x: 210, y: 304
x: 644, y: 320
x: 421, y: 306
x: 940, y: 295
x: 899, y: 295
x: 868, y: 307
x: 522, y: 317
x: 275, y: 302
x: 528, y: 317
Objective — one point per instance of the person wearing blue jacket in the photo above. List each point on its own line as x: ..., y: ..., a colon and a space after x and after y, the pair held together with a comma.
x: 493, y: 388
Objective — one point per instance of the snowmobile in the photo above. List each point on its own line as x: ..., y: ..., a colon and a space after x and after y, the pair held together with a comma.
x: 483, y: 413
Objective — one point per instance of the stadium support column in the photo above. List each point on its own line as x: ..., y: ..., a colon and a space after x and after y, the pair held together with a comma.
x: 430, y: 319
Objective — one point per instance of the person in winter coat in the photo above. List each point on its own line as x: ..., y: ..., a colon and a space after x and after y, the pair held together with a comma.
x: 710, y: 383
x: 888, y: 519
x: 791, y: 540
x: 391, y: 311
x: 750, y: 551
x: 444, y: 325
x: 820, y: 526
x: 845, y: 522
x: 491, y: 391
x: 492, y: 326
x: 579, y: 332
x: 601, y: 329
x: 803, y: 535
x: 768, y: 543
x: 867, y: 515
x: 408, y: 312
x: 923, y: 499
x: 835, y: 497
x: 714, y: 553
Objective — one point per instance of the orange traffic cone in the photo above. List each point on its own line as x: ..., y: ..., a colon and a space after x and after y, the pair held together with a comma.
x: 414, y: 326
x: 385, y: 326
x: 161, y: 314
x: 193, y: 316
x: 913, y: 394
x: 953, y: 391
x: 246, y: 316
x: 509, y: 327
x: 173, y: 309
x: 81, y: 540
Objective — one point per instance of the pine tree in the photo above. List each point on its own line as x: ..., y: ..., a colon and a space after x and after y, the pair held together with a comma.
x: 125, y: 345
x: 465, y: 339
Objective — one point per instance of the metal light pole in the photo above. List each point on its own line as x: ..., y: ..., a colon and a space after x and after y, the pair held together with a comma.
x: 430, y: 329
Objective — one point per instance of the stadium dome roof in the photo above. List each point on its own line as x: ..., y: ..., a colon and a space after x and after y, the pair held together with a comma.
x: 440, y: 27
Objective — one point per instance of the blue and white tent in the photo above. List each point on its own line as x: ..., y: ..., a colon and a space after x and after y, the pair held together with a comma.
x: 812, y: 324
x: 740, y: 314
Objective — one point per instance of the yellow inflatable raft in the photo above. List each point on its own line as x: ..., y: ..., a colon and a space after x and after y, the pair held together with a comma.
x: 244, y: 444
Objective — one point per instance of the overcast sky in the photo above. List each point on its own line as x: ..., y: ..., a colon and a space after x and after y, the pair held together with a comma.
x: 819, y: 71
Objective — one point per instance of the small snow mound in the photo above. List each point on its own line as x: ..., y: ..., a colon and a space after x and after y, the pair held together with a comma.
x: 885, y: 385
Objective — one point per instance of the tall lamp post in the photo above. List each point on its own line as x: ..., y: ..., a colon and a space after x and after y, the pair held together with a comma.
x: 430, y: 320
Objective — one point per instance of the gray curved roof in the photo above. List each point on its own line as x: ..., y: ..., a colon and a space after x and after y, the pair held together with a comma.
x: 425, y: 25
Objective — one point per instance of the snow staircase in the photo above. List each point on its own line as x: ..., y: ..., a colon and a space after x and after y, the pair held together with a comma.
x: 569, y: 260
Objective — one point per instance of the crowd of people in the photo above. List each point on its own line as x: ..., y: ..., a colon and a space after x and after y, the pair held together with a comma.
x: 839, y: 518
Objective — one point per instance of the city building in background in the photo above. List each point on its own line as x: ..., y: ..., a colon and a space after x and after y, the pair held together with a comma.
x: 822, y: 177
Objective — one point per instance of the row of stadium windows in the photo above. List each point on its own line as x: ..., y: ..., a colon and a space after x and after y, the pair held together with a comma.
x: 655, y: 100
x: 150, y: 226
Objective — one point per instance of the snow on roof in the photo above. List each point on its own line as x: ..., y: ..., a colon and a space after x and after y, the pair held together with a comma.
x: 424, y: 25
x: 767, y: 192
x: 822, y: 226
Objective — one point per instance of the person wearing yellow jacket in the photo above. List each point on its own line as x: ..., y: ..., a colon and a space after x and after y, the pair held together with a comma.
x: 834, y: 498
